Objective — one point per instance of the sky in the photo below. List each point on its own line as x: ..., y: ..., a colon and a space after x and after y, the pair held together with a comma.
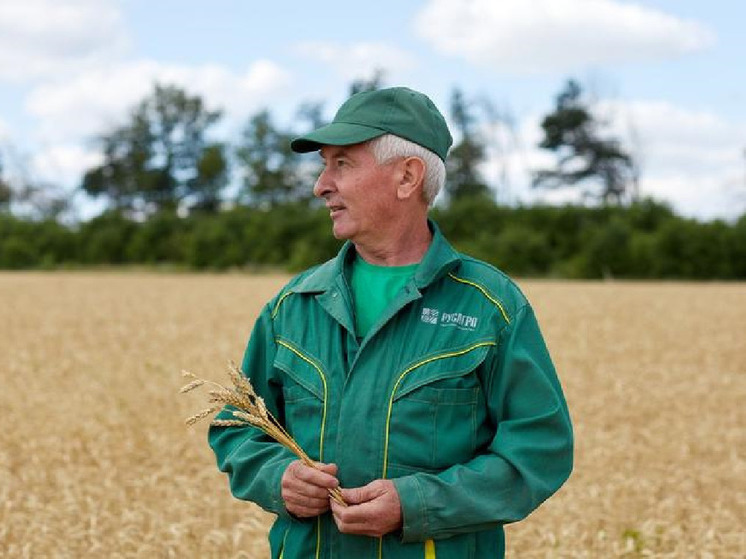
x: 666, y: 77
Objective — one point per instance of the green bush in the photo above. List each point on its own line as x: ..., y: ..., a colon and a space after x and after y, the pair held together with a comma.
x: 105, y: 239
x: 161, y: 239
x: 213, y: 243
x: 17, y: 253
x: 737, y: 248
x: 607, y: 250
x: 645, y: 240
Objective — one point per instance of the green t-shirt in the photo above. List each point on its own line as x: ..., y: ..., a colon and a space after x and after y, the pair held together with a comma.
x: 373, y: 288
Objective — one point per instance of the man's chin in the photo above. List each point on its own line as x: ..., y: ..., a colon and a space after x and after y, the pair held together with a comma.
x: 340, y: 232
x: 340, y: 236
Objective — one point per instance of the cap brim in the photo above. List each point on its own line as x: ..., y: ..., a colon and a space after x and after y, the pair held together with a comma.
x: 335, y: 134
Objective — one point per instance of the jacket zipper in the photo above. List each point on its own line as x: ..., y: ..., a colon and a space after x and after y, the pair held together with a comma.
x: 429, y: 544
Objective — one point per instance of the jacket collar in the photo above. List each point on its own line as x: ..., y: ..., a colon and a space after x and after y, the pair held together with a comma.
x: 439, y: 259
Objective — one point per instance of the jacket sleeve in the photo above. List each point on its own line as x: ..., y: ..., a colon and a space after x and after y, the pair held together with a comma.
x: 528, y: 459
x: 253, y: 461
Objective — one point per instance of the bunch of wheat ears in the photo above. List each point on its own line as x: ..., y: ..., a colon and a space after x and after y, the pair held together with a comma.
x: 250, y: 409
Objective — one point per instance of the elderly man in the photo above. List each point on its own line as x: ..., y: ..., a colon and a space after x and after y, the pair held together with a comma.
x: 416, y: 376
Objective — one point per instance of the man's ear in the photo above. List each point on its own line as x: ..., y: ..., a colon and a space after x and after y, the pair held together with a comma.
x: 412, y: 178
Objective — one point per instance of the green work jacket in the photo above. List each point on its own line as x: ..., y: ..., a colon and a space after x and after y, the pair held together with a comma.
x: 452, y: 395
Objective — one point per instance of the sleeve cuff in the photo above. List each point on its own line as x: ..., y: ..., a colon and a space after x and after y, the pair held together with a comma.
x: 278, y: 504
x: 415, y: 524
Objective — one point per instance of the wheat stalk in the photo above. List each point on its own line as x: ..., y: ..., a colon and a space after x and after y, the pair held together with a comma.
x: 250, y: 410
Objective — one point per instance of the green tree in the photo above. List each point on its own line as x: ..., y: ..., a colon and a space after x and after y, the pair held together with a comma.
x: 42, y: 200
x: 152, y: 162
x: 31, y: 197
x: 374, y: 82
x: 270, y: 169
x: 211, y: 179
x: 5, y: 191
x: 463, y: 176
x: 312, y: 114
x: 573, y: 133
x: 124, y: 173
x: 308, y: 166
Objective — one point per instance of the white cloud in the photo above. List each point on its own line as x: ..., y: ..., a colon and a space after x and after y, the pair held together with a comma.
x: 64, y: 163
x: 41, y: 38
x: 695, y: 142
x: 358, y: 60
x: 71, y: 113
x: 692, y: 159
x: 93, y: 102
x: 704, y: 198
x: 529, y: 36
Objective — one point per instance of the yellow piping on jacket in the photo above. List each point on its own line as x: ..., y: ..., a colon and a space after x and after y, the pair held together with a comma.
x: 431, y: 548
x: 323, y: 416
x: 497, y: 303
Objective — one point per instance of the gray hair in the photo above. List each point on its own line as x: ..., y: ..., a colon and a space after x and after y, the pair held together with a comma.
x: 389, y: 146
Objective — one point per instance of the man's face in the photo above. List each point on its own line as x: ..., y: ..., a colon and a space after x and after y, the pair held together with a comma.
x: 360, y: 193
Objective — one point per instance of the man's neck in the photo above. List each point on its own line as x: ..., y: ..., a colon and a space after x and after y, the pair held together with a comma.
x: 400, y: 248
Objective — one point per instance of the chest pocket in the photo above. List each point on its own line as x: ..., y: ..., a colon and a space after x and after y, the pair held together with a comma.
x: 436, y: 410
x: 304, y: 394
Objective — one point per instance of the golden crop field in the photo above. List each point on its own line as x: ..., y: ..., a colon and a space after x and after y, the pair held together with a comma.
x: 95, y: 460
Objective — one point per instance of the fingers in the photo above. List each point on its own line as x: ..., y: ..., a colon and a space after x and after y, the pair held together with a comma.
x: 373, y: 510
x: 330, y: 469
x: 322, y: 477
x: 355, y: 519
x: 305, y: 490
x: 358, y: 495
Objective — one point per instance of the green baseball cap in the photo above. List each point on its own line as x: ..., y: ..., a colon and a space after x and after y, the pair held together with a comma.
x: 366, y: 115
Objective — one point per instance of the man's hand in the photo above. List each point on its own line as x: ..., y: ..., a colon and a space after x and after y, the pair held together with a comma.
x: 373, y: 510
x: 305, y: 489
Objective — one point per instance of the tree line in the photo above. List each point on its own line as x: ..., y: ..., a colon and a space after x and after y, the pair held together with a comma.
x: 641, y: 240
x: 176, y: 197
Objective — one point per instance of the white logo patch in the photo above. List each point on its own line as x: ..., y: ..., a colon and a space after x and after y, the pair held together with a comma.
x: 429, y: 316
x: 459, y: 320
x: 455, y: 319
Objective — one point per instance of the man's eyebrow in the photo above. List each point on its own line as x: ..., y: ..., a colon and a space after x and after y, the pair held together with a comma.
x: 340, y: 151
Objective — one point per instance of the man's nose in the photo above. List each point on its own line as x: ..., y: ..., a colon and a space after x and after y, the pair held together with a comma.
x: 323, y: 185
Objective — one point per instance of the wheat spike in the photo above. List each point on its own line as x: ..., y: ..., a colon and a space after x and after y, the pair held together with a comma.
x: 228, y: 423
x: 228, y: 397
x: 241, y: 383
x: 192, y: 385
x: 248, y: 417
x: 250, y: 409
x: 201, y: 414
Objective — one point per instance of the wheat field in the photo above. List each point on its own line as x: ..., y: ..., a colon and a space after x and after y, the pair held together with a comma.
x: 95, y: 459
